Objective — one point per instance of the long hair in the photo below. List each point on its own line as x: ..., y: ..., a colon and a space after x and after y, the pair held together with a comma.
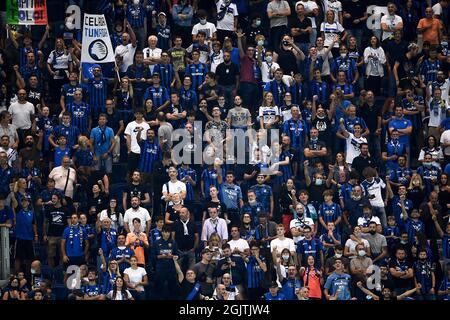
x: 123, y: 290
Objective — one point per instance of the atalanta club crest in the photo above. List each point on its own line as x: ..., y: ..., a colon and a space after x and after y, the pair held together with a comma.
x: 98, y: 50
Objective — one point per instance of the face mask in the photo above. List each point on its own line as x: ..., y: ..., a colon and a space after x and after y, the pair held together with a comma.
x: 203, y: 21
x: 314, y: 139
x: 285, y: 43
x: 403, y: 242
x: 427, y: 164
x: 251, y: 202
x: 33, y: 271
x: 285, y: 257
x: 444, y: 43
x: 362, y: 253
x: 356, y: 198
x: 338, y: 255
x: 257, y: 23
x: 372, y: 232
x: 319, y: 182
x: 176, y: 202
x: 343, y: 55
x: 269, y: 59
x: 260, y: 42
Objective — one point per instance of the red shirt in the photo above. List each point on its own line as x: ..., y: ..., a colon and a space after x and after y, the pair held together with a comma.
x: 247, y: 72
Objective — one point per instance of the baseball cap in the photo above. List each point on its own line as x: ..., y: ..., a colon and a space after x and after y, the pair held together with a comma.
x: 274, y: 284
x: 162, y: 13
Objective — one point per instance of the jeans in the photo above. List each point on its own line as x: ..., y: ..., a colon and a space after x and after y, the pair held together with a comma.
x: 358, y: 34
x: 104, y: 164
x: 380, y: 212
x: 186, y: 260
x: 250, y: 93
x: 313, y: 37
x: 374, y: 146
x: 228, y: 93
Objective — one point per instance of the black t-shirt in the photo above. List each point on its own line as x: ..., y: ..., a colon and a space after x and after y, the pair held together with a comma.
x: 395, y: 50
x: 221, y: 208
x: 56, y: 219
x: 356, y: 10
x: 185, y: 242
x: 100, y: 202
x: 34, y: 96
x: 251, y: 33
x: 370, y: 115
x: 227, y: 74
x: 324, y: 127
x: 187, y: 288
x: 287, y: 61
x: 407, y: 67
x: 114, y: 121
x: 315, y: 145
x: 133, y: 190
x: 295, y: 22
x: 174, y: 214
x: 401, y: 266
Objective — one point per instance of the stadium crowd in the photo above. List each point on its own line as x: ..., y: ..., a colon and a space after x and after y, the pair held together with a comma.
x: 113, y: 183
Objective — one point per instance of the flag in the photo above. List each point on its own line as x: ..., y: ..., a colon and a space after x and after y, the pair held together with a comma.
x: 87, y: 70
x: 26, y: 12
x: 97, y: 47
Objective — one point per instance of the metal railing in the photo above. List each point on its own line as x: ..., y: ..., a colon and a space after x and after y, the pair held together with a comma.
x: 4, y: 253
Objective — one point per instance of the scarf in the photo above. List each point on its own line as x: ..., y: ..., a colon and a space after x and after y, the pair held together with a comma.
x: 185, y: 228
x: 72, y: 234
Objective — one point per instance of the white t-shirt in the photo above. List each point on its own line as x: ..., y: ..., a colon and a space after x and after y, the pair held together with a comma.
x: 268, y: 113
x: 296, y: 223
x: 391, y: 21
x: 21, y: 114
x: 174, y: 187
x: 445, y: 139
x: 374, y: 189
x: 352, y: 147
x: 437, y: 112
x: 136, y: 275
x: 227, y: 23
x: 351, y: 245
x: 215, y: 59
x: 132, y: 130
x: 309, y: 6
x: 335, y: 6
x: 127, y: 52
x: 287, y: 243
x: 209, y: 28
x: 362, y: 221
x: 140, y: 213
x: 109, y: 296
x: 152, y: 53
x: 115, y: 223
x: 331, y: 30
x: 326, y: 61
x: 265, y: 67
x: 241, y: 244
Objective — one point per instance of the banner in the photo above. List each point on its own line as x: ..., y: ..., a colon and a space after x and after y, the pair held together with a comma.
x: 26, y: 12
x: 97, y: 47
x: 87, y: 70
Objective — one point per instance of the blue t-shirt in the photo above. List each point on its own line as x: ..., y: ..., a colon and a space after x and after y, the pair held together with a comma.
x: 24, y: 225
x: 75, y: 237
x: 401, y: 124
x: 102, y: 139
x: 339, y: 282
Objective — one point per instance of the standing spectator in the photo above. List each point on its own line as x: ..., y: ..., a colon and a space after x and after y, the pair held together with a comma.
x: 430, y: 27
x: 390, y: 22
x: 277, y: 12
x: 102, y: 140
x: 65, y: 177
x: 337, y: 286
x: 127, y: 49
x: 227, y: 19
x: 182, y: 14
